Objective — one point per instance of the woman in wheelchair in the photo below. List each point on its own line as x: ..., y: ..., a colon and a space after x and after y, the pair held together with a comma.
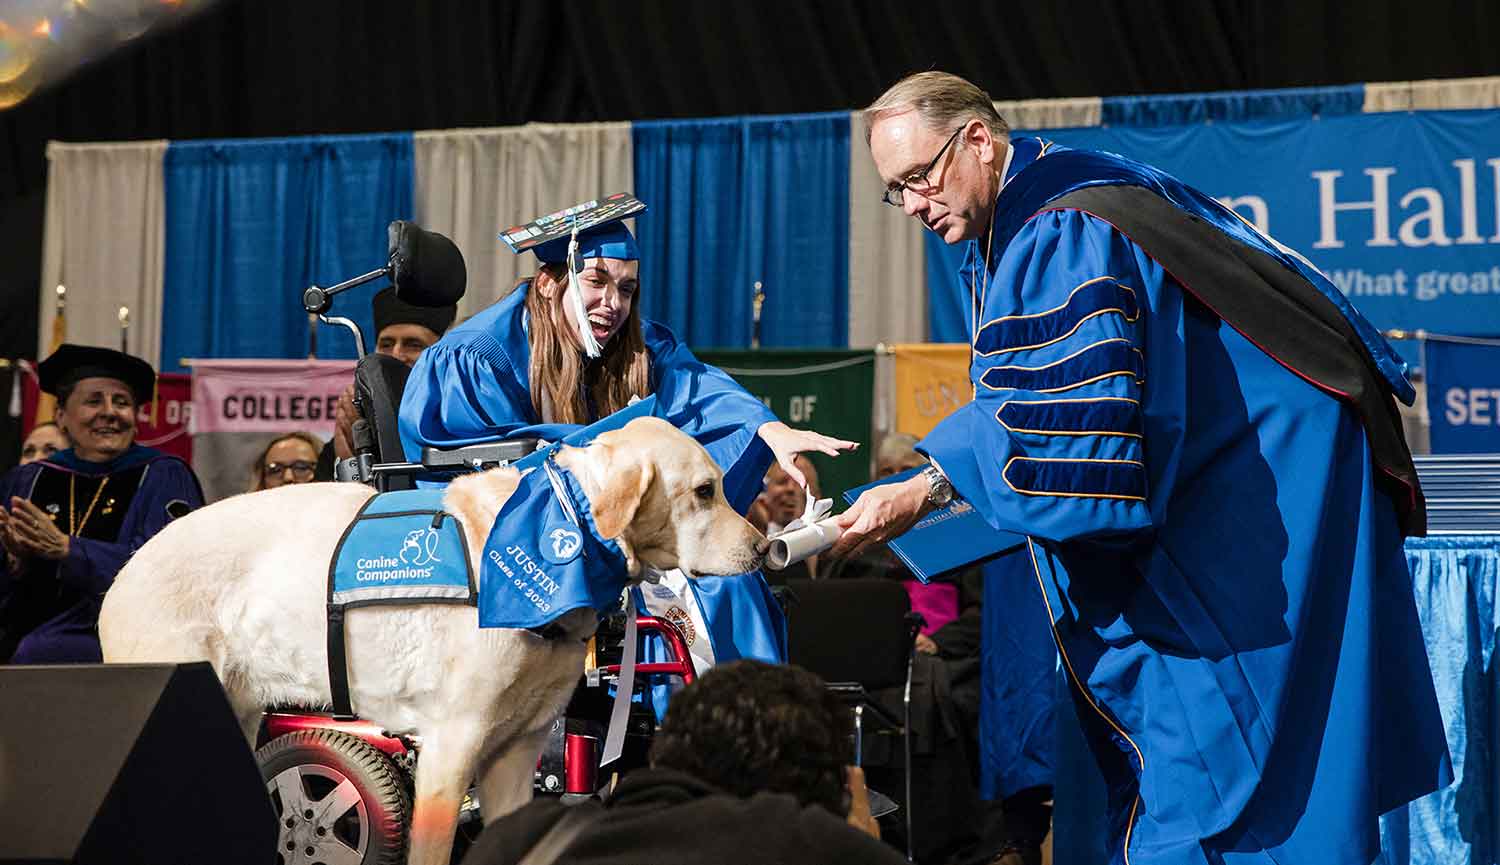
x: 567, y: 349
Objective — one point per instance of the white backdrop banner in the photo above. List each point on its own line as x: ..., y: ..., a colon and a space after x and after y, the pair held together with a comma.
x: 472, y: 184
x: 105, y: 240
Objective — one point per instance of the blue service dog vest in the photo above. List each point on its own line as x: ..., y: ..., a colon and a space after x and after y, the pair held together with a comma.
x: 401, y: 548
x: 544, y: 555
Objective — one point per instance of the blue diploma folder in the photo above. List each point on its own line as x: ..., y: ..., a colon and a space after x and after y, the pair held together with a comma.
x: 948, y: 538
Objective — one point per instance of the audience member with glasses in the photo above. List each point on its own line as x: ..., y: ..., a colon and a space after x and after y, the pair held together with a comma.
x: 289, y: 459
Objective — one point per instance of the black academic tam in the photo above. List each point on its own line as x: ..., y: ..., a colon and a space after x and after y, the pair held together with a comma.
x: 73, y: 363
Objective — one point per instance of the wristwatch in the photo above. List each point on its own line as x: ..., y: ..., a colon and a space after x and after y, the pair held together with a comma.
x: 939, y: 489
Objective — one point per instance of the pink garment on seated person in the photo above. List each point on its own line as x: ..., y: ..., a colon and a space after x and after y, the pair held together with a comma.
x: 937, y: 602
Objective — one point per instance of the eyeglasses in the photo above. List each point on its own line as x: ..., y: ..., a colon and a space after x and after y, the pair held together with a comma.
x: 895, y: 195
x: 301, y: 469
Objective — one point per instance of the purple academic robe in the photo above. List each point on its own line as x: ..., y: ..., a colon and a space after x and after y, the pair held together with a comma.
x: 49, y: 611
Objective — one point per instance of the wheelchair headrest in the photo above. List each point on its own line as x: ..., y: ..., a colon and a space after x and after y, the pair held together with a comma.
x: 426, y: 267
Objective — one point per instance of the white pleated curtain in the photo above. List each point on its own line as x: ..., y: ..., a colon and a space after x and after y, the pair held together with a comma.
x: 887, y: 273
x: 472, y: 184
x: 104, y: 239
x: 1433, y: 95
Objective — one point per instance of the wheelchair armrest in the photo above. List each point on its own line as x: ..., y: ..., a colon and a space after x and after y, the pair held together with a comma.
x: 478, y: 456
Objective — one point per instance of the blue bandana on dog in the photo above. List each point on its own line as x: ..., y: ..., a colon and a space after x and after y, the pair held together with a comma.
x: 544, y: 556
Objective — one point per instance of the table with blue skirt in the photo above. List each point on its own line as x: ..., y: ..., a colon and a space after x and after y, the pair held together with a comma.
x: 1456, y: 579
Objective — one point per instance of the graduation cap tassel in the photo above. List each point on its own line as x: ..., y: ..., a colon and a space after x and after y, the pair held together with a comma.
x: 591, y: 346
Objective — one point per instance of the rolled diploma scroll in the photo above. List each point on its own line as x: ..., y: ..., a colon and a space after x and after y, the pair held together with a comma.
x: 791, y: 547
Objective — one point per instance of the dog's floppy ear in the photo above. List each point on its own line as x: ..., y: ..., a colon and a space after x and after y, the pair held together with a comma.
x: 626, y: 481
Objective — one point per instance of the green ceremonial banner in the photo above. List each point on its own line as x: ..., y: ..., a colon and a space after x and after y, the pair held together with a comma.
x: 831, y: 391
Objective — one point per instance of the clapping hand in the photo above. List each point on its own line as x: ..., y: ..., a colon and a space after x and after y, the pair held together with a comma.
x: 29, y: 532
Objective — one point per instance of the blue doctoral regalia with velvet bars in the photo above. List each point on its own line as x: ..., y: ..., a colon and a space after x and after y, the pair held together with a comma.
x: 474, y: 386
x: 1216, y: 529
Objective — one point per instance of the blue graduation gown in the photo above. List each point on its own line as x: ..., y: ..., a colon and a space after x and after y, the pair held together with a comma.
x: 474, y: 386
x: 68, y: 617
x: 1214, y: 530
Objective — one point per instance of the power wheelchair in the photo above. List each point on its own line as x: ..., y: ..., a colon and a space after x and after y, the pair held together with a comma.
x: 328, y: 755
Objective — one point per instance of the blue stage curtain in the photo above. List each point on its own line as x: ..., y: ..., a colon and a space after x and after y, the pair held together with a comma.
x: 949, y: 305
x: 741, y: 199
x: 252, y: 223
x: 1456, y: 579
x: 1231, y: 106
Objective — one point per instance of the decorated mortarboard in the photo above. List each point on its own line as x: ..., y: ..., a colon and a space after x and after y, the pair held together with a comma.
x: 390, y: 309
x: 574, y: 235
x: 601, y: 234
x: 73, y: 363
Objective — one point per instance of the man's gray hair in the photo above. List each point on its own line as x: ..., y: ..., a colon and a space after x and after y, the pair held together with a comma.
x: 942, y: 101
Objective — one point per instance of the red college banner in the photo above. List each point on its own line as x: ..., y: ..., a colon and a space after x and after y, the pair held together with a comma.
x: 163, y: 423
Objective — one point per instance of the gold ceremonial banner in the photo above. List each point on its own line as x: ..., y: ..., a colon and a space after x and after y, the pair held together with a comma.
x: 932, y: 379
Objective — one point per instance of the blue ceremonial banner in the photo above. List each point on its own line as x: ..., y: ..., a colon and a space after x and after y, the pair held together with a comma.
x: 1463, y: 397
x: 1401, y: 210
x: 945, y: 539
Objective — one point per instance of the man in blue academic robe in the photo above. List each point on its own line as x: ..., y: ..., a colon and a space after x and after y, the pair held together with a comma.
x: 475, y: 385
x: 69, y: 522
x: 1197, y: 434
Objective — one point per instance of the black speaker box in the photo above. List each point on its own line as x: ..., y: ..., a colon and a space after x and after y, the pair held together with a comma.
x: 118, y: 763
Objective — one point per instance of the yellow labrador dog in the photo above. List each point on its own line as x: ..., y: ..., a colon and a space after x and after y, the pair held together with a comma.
x: 242, y: 584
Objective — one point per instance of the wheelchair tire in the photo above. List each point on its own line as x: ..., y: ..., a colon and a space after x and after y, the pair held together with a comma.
x: 336, y: 798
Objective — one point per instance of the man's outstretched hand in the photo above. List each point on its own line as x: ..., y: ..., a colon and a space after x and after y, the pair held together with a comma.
x: 880, y: 514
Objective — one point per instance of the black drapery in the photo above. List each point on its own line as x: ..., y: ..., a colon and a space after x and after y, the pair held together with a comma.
x: 289, y: 67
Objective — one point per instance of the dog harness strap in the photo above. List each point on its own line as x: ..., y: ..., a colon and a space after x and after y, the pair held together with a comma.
x: 338, y: 670
x: 561, y: 491
x: 614, y: 737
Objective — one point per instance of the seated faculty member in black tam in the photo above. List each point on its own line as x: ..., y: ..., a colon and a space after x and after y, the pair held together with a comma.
x: 68, y: 522
x: 750, y: 766
x: 402, y: 331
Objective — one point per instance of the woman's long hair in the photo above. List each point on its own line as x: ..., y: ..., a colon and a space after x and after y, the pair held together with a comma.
x: 557, y: 365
